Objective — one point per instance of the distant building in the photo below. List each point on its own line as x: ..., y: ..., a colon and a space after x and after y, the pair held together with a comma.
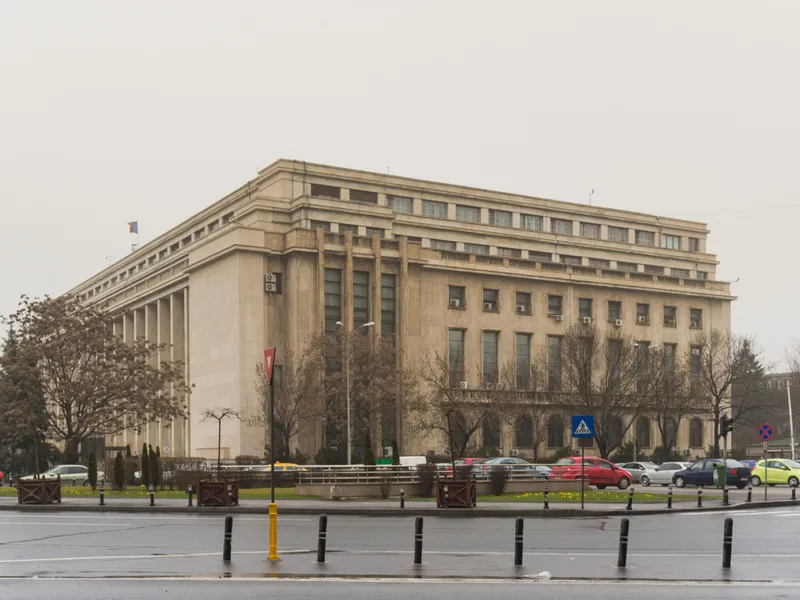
x: 488, y: 276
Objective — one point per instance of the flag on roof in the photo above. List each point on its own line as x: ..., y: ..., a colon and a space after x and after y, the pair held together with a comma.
x: 133, y: 226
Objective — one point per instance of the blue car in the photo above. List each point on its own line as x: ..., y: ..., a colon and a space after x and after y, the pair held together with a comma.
x: 704, y: 473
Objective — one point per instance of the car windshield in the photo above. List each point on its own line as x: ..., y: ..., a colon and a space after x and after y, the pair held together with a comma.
x: 792, y: 464
x: 566, y: 461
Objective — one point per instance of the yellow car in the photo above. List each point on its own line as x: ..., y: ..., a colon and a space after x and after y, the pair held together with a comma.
x: 776, y: 471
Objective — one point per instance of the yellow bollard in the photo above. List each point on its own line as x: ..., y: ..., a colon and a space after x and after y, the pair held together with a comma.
x: 273, y: 532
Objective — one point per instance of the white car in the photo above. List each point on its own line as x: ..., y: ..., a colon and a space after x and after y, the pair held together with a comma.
x: 663, y: 474
x: 70, y: 475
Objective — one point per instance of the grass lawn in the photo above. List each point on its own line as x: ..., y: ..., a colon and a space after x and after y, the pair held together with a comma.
x: 593, y: 496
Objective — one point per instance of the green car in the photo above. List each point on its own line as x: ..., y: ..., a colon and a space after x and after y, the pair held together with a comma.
x: 70, y: 474
x: 777, y: 471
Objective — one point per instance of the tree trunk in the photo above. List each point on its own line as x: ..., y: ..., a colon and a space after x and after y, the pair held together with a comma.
x: 71, y: 451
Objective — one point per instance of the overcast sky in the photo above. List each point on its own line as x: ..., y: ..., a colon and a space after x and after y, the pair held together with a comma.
x: 152, y: 112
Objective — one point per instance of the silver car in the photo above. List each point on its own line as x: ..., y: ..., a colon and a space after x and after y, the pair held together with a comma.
x: 663, y: 475
x: 637, y: 469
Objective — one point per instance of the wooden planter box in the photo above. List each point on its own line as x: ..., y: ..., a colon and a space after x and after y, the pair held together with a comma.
x: 39, y: 491
x: 215, y: 493
x: 456, y: 493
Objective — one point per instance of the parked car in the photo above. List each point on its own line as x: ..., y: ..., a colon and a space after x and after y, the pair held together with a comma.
x: 542, y: 471
x: 70, y: 474
x: 776, y: 471
x: 663, y: 474
x: 598, y: 472
x: 465, y: 462
x: 508, y: 462
x: 637, y: 469
x: 703, y: 473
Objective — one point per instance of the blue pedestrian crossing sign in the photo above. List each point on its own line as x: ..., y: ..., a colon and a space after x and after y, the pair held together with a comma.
x: 582, y: 426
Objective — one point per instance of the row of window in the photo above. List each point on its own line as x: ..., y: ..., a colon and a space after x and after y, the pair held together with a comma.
x: 502, y: 218
x: 457, y: 299
x: 361, y: 300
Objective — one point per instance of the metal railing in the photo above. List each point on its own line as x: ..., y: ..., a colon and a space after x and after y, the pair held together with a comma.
x: 362, y: 474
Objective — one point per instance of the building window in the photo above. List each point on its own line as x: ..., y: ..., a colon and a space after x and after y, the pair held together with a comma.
x: 670, y: 360
x: 642, y: 313
x: 333, y: 299
x: 431, y: 208
x: 694, y: 244
x: 491, y: 300
x: 584, y: 308
x: 523, y: 432
x: 360, y: 298
x: 645, y: 238
x: 553, y: 363
x: 324, y: 225
x: 501, y: 218
x: 531, y: 222
x: 540, y: 256
x: 476, y: 249
x: 400, y: 204
x: 470, y: 214
x: 679, y: 272
x: 455, y: 355
x: 618, y: 234
x: 694, y: 361
x: 627, y: 266
x: 199, y: 234
x: 571, y: 260
x: 325, y: 191
x: 227, y: 218
x: 490, y: 357
x: 343, y: 227
x: 673, y: 242
x: 388, y: 304
x: 443, y: 245
x: 457, y: 296
x: 614, y: 310
x: 490, y: 432
x: 695, y: 318
x: 696, y: 433
x: 643, y: 432
x: 590, y: 230
x: 599, y: 262
x: 561, y: 226
x: 523, y: 303
x: 509, y: 252
x: 364, y: 196
x: 373, y: 230
x: 213, y: 226
x: 656, y: 270
x: 615, y: 432
x: 522, y: 360
x: 702, y: 275
x: 174, y: 247
x: 186, y: 241
x: 555, y: 432
x: 642, y: 354
x: 670, y: 316
x: 555, y: 305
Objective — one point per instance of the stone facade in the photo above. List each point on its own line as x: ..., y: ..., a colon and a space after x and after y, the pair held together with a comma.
x: 400, y: 243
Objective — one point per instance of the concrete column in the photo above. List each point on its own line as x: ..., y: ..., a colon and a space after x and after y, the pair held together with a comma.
x: 416, y: 206
x: 347, y: 282
x: 177, y: 321
x: 321, y: 280
x: 516, y: 220
x: 376, y: 285
x: 166, y: 434
x: 151, y: 333
x: 451, y: 211
x: 401, y: 298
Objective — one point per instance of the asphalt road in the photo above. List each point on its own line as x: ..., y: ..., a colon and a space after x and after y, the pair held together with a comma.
x: 373, y: 590
x: 665, y: 547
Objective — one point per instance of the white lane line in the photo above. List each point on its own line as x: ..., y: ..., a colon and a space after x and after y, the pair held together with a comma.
x: 73, y: 524
x: 265, y: 552
x: 264, y: 519
x: 745, y: 513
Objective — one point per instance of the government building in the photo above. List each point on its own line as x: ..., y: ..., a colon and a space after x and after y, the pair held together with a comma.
x: 495, y: 278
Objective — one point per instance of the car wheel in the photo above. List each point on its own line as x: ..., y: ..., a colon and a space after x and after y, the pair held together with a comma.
x: 644, y: 480
x: 623, y: 483
x: 85, y: 483
x: 793, y: 481
x: 680, y: 482
x: 600, y: 487
x: 755, y: 480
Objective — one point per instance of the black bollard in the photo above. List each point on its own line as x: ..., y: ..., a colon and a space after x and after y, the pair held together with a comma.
x: 669, y: 497
x: 58, y: 478
x: 630, y: 500
x: 725, y: 496
x: 622, y: 559
x: 323, y: 538
x: 794, y: 490
x: 152, y: 496
x: 699, y: 497
x: 546, y: 499
x: 189, y: 491
x: 749, y: 493
x: 226, y: 545
x: 418, y: 541
x: 402, y: 498
x: 727, y: 543
x: 518, y: 542
x: 102, y: 493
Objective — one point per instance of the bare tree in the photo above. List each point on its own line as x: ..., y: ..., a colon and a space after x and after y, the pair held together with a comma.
x: 728, y: 375
x: 526, y: 402
x: 670, y: 397
x: 447, y: 409
x: 298, y: 395
x: 220, y: 414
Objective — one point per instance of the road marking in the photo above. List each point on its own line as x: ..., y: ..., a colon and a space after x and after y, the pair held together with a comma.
x: 158, y: 518
x: 548, y: 553
x: 265, y: 552
x: 72, y: 524
x: 746, y: 513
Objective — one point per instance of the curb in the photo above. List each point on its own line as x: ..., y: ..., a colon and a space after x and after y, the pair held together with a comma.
x: 287, y: 509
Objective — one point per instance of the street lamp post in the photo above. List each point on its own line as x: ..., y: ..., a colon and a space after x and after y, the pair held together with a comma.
x: 347, y: 376
x: 791, y: 418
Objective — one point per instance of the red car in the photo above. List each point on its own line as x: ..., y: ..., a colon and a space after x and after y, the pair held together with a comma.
x: 598, y: 472
x: 464, y: 461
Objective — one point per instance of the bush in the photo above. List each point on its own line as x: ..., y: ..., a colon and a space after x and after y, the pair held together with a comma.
x: 145, y: 466
x: 92, y: 470
x: 331, y: 456
x: 130, y: 466
x: 625, y: 454
x: 498, y: 478
x: 119, y: 472
x: 659, y: 456
x: 153, y: 466
x: 427, y: 478
x: 298, y: 458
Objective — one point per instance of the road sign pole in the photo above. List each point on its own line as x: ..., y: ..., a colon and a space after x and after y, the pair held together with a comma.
x: 583, y: 470
x: 766, y: 447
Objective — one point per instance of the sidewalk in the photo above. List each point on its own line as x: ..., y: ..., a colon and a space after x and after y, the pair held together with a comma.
x: 386, y: 508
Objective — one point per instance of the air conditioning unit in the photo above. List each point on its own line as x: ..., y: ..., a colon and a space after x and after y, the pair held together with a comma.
x: 521, y: 308
x: 641, y: 319
x: 499, y: 386
x: 463, y: 385
x: 618, y: 322
x: 515, y: 452
x: 488, y: 306
x: 587, y: 320
x: 270, y: 287
x: 559, y: 317
x: 695, y: 351
x: 270, y: 278
x: 455, y: 303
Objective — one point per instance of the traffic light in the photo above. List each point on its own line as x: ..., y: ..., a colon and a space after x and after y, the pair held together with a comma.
x: 725, y: 426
